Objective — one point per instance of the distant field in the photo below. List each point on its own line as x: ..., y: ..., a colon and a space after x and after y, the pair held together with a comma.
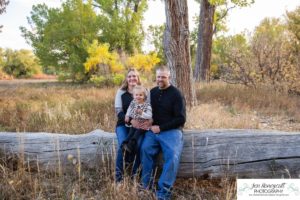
x: 20, y: 82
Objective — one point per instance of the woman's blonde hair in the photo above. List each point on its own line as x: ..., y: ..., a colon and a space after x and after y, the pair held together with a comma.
x: 124, y: 85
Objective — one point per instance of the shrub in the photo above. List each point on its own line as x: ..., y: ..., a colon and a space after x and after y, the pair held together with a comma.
x: 63, y: 76
x: 21, y: 63
x: 4, y: 76
x: 118, y: 79
x: 98, y: 80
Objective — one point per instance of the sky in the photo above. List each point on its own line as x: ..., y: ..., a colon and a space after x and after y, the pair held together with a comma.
x: 239, y: 19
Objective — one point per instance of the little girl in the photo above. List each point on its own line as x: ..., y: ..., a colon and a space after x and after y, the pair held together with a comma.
x: 140, y: 110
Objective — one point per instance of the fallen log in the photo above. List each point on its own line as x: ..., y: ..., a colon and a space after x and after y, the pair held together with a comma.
x: 208, y: 153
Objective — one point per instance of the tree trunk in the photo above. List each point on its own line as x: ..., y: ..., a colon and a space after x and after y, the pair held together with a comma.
x: 204, y: 45
x: 177, y: 48
x: 209, y: 153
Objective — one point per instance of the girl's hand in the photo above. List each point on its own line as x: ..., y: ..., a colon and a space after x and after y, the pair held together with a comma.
x: 139, y: 111
x: 126, y: 119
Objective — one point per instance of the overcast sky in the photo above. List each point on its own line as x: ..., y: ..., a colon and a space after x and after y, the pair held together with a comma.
x: 238, y: 20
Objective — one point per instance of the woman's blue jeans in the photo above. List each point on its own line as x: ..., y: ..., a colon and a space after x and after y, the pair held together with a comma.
x: 170, y: 143
x: 123, y: 161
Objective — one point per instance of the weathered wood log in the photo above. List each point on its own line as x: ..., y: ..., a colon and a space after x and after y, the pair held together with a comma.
x: 209, y: 153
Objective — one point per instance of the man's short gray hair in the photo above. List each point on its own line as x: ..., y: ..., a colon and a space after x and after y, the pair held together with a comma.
x: 163, y: 68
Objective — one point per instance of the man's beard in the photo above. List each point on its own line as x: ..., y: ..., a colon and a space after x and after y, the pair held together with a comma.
x: 161, y: 84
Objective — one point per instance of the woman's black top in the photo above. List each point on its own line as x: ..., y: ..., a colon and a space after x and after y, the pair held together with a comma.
x: 126, y: 99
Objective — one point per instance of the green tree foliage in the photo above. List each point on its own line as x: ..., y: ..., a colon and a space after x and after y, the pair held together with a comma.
x: 20, y: 63
x: 293, y: 20
x: 3, y: 75
x: 1, y: 57
x: 3, y: 4
x: 156, y: 39
x: 293, y: 23
x: 60, y: 35
x: 121, y: 24
x: 234, y: 58
x: 271, y: 48
x: 266, y: 58
x: 211, y: 19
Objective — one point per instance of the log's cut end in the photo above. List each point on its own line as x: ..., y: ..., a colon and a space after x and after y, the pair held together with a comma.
x: 208, y: 153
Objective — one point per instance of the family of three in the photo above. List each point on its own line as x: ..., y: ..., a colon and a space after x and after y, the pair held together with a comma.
x: 150, y: 123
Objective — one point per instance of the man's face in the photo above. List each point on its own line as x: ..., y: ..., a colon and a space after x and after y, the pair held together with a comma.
x: 162, y: 79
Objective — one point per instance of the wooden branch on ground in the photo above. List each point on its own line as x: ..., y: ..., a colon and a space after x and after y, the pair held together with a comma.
x: 208, y: 153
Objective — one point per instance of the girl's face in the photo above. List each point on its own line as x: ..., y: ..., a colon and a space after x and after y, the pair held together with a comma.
x: 132, y: 79
x: 139, y: 96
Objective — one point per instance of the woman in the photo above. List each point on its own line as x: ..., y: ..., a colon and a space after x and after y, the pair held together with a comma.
x: 122, y: 101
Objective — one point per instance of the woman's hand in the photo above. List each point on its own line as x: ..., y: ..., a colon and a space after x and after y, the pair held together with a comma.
x: 155, y: 129
x: 126, y: 119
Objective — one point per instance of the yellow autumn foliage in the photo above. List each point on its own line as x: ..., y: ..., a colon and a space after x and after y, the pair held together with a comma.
x: 99, y: 55
x: 143, y: 62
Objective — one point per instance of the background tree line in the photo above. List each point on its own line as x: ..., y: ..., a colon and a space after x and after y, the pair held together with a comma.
x: 96, y: 40
x: 65, y: 37
x: 268, y: 56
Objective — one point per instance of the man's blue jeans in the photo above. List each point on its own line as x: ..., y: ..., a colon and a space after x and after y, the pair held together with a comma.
x: 122, y: 133
x: 170, y: 143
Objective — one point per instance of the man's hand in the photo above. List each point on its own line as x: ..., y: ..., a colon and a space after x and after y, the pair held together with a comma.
x: 155, y: 129
x: 135, y: 123
x: 145, y: 125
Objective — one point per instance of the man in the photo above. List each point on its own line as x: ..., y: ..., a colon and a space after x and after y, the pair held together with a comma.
x: 169, y: 116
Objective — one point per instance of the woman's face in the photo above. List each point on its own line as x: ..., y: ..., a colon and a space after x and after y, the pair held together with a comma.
x: 132, y: 78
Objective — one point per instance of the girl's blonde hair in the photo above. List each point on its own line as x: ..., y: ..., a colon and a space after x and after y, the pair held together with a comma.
x: 124, y: 85
x: 140, y: 88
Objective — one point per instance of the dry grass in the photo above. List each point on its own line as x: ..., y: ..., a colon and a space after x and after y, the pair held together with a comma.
x: 216, y: 116
x: 70, y: 109
x: 67, y: 108
x: 233, y: 106
x: 263, y: 100
x: 19, y: 181
x: 77, y: 109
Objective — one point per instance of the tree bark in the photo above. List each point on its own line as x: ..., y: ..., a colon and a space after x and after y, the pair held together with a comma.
x: 177, y: 48
x: 208, y: 154
x: 204, y: 45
